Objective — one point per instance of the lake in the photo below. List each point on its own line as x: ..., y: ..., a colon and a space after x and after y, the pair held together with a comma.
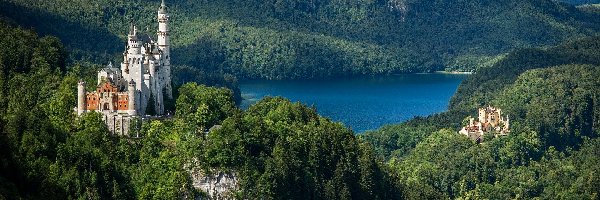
x: 363, y: 103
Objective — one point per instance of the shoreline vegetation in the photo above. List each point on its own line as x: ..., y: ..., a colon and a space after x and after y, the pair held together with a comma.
x: 453, y: 72
x: 445, y: 72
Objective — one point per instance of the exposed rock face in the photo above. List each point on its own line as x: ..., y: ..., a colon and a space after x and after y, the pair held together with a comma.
x: 219, y: 185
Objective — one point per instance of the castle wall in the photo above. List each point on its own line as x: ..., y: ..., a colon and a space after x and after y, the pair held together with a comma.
x: 92, y: 101
x: 119, y: 124
x: 123, y: 101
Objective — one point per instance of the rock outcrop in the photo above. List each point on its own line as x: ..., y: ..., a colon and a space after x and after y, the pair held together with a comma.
x: 219, y: 185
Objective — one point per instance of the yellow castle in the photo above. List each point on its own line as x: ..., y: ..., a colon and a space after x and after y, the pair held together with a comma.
x: 490, y: 119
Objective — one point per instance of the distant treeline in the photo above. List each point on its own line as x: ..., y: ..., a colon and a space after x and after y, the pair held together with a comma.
x: 290, y: 39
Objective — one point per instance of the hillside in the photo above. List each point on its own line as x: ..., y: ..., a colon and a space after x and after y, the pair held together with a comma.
x: 580, y: 2
x: 277, y: 148
x: 479, y: 89
x: 284, y: 150
x: 290, y: 39
x: 551, y: 96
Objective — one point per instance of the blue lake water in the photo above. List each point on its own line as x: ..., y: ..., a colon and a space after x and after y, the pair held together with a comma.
x: 363, y: 103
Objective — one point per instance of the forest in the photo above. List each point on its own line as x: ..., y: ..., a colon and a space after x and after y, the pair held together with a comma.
x: 285, y: 150
x: 295, y: 39
x: 552, y: 96
x: 275, y: 146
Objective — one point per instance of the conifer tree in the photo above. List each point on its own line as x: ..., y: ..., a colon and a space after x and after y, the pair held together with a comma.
x: 150, y: 107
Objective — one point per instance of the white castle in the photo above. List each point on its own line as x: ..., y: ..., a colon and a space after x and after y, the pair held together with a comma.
x: 144, y: 77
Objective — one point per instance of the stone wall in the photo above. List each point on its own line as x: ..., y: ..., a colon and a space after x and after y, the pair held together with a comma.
x: 117, y: 123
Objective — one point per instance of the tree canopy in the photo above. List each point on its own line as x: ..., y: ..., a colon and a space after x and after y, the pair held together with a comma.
x: 293, y: 39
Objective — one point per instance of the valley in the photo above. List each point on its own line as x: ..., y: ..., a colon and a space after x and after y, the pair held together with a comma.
x: 294, y: 99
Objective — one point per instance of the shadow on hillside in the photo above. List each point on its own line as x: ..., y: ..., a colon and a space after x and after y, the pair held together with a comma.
x: 91, y: 43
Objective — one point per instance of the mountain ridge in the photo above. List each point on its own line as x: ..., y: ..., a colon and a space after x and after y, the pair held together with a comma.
x: 417, y: 36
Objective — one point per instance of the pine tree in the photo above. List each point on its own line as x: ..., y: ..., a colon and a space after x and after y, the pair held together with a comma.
x: 150, y: 107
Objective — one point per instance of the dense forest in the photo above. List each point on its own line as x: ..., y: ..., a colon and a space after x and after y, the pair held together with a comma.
x: 284, y: 150
x: 291, y: 39
x: 552, y: 97
x: 279, y: 149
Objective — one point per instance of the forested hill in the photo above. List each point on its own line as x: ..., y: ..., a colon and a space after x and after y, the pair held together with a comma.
x: 580, y: 2
x: 480, y: 89
x: 291, y: 39
x: 552, y: 98
x: 277, y: 149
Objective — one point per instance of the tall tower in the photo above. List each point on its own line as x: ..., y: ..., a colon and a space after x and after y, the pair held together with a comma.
x: 132, y: 98
x: 81, y: 106
x: 164, y: 46
x: 134, y: 45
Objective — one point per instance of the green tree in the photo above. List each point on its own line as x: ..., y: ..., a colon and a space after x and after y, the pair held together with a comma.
x: 151, y: 106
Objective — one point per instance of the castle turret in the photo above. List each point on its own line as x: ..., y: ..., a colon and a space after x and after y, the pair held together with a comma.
x: 164, y: 46
x: 163, y: 30
x: 482, y: 115
x: 132, y: 98
x: 81, y: 105
x: 125, y: 64
x: 133, y: 44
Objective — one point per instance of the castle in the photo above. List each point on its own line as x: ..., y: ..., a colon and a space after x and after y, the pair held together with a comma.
x: 490, y: 119
x: 141, y: 84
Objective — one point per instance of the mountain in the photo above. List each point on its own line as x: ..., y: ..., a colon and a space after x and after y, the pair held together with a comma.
x: 290, y: 39
x: 283, y: 150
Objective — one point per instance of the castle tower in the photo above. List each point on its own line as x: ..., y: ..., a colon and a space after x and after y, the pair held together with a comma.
x: 133, y: 67
x: 125, y: 64
x: 164, y: 46
x: 132, y: 98
x: 81, y: 105
x: 133, y: 43
x: 482, y: 115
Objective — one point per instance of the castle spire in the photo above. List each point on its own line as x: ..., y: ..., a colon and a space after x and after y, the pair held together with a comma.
x: 163, y: 7
x: 131, y: 28
x: 164, y: 46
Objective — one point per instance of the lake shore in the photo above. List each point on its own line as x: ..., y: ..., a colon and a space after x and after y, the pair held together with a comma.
x: 446, y: 72
x: 452, y: 72
x: 366, y: 103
